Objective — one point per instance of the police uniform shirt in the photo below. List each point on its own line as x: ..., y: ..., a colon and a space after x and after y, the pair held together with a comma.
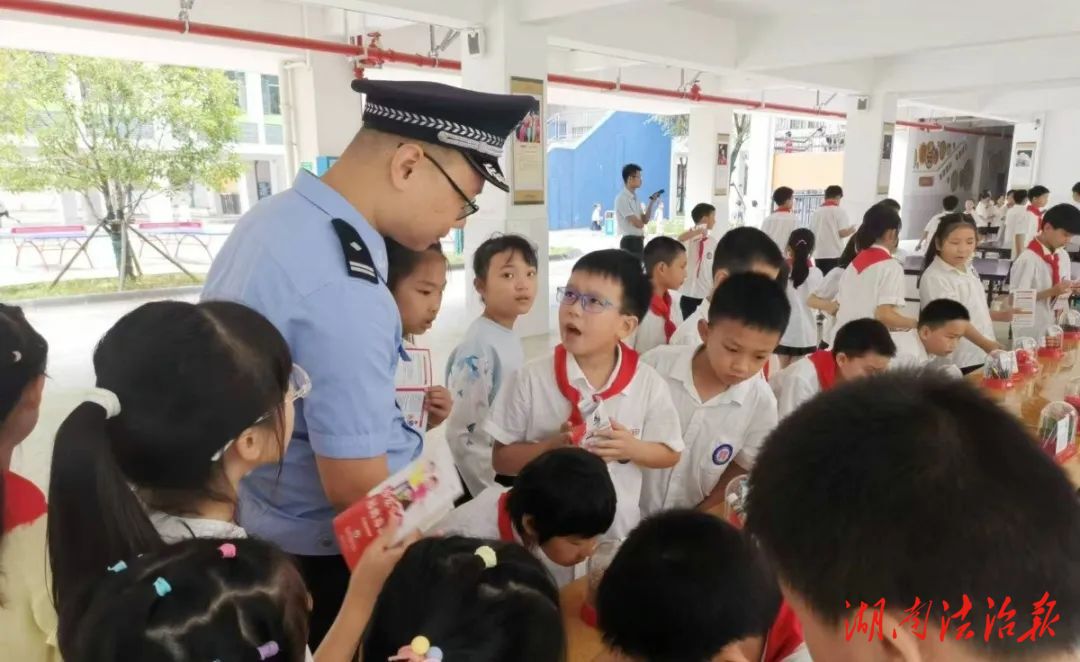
x: 729, y: 427
x: 311, y: 264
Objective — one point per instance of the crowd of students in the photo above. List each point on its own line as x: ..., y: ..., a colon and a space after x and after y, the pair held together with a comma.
x: 868, y: 486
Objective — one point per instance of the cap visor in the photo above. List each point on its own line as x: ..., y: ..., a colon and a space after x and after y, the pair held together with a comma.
x: 488, y: 168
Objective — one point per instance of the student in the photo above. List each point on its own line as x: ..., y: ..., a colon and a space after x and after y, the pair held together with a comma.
x: 801, y: 336
x: 27, y: 617
x: 831, y: 226
x: 1038, y: 197
x: 949, y: 203
x: 942, y: 324
x: 725, y: 407
x: 779, y: 224
x: 593, y: 393
x: 1076, y: 193
x: 939, y: 451
x: 504, y: 269
x: 985, y: 212
x: 890, y: 203
x: 862, y: 347
x: 688, y: 586
x: 1044, y: 265
x: 700, y: 242
x: 559, y: 506
x: 417, y: 279
x: 873, y: 284
x: 472, y: 599
x: 948, y: 274
x: 189, y: 400
x: 1020, y: 225
x: 739, y: 251
x: 665, y: 266
x: 823, y: 297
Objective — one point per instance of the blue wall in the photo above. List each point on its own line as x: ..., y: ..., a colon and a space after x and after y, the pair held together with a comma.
x: 579, y: 178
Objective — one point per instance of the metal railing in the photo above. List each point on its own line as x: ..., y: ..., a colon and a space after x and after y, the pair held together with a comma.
x: 571, y: 126
x: 815, y: 143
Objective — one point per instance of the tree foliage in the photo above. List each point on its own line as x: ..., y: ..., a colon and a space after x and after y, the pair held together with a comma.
x: 673, y: 126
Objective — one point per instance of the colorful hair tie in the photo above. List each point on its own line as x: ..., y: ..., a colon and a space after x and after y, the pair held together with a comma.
x: 487, y: 555
x: 418, y: 650
x: 119, y: 566
x: 228, y: 551
x: 268, y: 650
x: 162, y: 587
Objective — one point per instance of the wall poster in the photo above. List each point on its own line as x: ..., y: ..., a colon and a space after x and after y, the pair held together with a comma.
x: 723, y: 165
x: 527, y: 152
x: 885, y: 167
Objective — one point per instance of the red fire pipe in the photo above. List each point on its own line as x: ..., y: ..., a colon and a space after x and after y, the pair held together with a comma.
x: 375, y: 56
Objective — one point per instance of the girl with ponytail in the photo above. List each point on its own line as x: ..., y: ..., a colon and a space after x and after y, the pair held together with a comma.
x: 27, y: 618
x: 800, y: 338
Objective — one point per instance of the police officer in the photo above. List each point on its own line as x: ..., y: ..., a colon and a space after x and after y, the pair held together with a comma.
x: 312, y: 259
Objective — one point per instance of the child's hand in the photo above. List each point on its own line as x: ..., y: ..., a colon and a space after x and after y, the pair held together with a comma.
x: 561, y: 438
x: 1063, y: 287
x: 833, y: 308
x: 616, y: 444
x: 377, y: 561
x: 437, y: 403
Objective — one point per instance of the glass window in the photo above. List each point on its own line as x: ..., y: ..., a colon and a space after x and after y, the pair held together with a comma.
x: 238, y: 79
x: 271, y: 95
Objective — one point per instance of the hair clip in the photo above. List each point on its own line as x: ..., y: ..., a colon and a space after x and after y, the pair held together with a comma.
x: 268, y: 650
x: 487, y: 555
x: 162, y: 587
x: 16, y: 356
x: 228, y: 551
x: 418, y: 650
x: 119, y: 566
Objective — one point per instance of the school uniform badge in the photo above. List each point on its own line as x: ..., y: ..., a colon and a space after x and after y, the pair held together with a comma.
x: 722, y: 454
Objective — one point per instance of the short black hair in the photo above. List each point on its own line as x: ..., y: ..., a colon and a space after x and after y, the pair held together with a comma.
x: 940, y: 312
x: 740, y: 248
x: 625, y: 269
x: 629, y: 170
x: 498, y: 244
x: 878, y: 220
x: 402, y: 261
x: 985, y: 195
x: 960, y: 473
x: 1076, y: 187
x: 567, y: 491
x: 833, y: 191
x: 684, y: 585
x: 1037, y: 190
x: 1063, y: 216
x: 891, y: 204
x: 860, y: 337
x: 1019, y: 195
x: 950, y: 202
x: 753, y: 300
x: 701, y: 210
x: 782, y: 195
x: 661, y: 250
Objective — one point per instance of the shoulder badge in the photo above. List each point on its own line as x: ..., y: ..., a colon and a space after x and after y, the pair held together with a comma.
x: 358, y: 260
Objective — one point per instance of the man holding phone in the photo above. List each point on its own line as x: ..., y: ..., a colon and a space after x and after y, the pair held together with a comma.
x: 628, y: 211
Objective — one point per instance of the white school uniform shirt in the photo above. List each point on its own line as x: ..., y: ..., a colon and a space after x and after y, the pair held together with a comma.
x: 828, y: 289
x: 802, y: 325
x: 779, y: 225
x: 730, y: 427
x: 650, y: 332
x: 910, y: 351
x: 794, y: 385
x: 1019, y: 221
x: 1030, y: 272
x: 687, y: 333
x: 860, y: 294
x: 479, y: 518
x: 699, y: 259
x: 475, y: 372
x: 827, y: 222
x: 531, y: 408
x: 943, y: 281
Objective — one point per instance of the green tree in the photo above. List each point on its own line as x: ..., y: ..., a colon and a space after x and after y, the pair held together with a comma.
x: 123, y: 129
x: 673, y: 126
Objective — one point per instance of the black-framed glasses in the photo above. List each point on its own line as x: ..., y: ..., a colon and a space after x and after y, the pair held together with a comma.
x: 470, y: 207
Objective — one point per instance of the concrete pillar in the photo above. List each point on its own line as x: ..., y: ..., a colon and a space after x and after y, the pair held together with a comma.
x: 759, y: 162
x: 326, y: 112
x: 511, y: 49
x: 706, y: 123
x: 862, y: 151
x: 1057, y: 144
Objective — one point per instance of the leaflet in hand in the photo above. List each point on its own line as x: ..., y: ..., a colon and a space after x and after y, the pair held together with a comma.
x: 419, y: 495
x: 411, y: 382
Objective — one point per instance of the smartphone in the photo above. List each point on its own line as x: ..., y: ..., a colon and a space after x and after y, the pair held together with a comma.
x: 657, y: 194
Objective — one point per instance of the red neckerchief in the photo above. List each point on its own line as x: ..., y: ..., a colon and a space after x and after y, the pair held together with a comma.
x: 506, y: 527
x: 765, y: 371
x: 825, y: 365
x: 627, y: 368
x: 830, y: 203
x: 23, y: 501
x: 1038, y: 214
x: 1053, y: 260
x: 869, y: 257
x: 784, y: 637
x: 661, y: 307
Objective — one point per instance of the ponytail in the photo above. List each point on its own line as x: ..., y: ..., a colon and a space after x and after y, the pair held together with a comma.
x: 801, y: 245
x: 95, y: 519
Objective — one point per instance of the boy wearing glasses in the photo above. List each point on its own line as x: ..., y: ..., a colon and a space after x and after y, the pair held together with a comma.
x: 593, y: 392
